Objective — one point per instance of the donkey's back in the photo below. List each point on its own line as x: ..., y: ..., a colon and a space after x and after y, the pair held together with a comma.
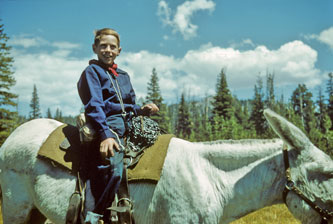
x: 24, y: 179
x: 20, y: 150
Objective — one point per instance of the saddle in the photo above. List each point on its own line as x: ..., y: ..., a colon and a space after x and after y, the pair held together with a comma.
x: 62, y: 149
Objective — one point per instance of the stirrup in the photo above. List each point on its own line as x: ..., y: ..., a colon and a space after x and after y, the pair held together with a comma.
x: 124, y: 212
x: 130, y: 203
x: 74, y: 208
x: 121, y: 208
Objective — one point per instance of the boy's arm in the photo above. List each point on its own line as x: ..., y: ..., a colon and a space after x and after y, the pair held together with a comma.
x: 89, y: 88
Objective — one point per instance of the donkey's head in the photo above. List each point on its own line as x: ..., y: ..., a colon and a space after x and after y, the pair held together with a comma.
x: 311, y: 173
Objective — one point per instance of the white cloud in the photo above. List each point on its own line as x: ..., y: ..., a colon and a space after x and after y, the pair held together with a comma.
x: 26, y: 41
x: 56, y: 73
x: 140, y: 64
x: 181, y: 20
x: 292, y: 63
x: 65, y: 45
x: 326, y: 37
x: 244, y: 42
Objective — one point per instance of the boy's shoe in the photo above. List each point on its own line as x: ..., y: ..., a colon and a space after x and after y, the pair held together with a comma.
x: 93, y: 218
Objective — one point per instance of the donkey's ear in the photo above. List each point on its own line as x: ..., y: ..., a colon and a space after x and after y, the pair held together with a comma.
x: 288, y: 132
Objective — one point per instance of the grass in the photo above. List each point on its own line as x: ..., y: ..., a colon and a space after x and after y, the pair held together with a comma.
x: 276, y: 214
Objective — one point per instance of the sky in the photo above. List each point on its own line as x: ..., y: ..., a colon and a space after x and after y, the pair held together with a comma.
x: 188, y: 42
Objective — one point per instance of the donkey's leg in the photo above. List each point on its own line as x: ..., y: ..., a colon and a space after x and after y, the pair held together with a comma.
x: 16, y: 202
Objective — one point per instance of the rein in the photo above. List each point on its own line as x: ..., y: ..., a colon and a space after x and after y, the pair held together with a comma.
x: 290, y: 186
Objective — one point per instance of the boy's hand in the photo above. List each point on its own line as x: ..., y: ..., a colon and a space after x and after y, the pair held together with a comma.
x: 149, y: 109
x: 106, y: 148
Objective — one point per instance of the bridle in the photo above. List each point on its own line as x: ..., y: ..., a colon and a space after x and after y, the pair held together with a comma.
x: 290, y: 186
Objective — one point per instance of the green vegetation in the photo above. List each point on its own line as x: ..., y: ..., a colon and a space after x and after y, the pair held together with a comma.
x: 34, y: 105
x: 223, y: 116
x: 154, y: 96
x: 8, y: 114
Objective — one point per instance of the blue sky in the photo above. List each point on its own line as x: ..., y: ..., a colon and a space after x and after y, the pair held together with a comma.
x: 188, y: 42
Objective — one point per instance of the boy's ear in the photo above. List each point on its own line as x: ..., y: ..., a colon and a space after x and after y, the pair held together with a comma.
x: 94, y: 48
x: 119, y: 50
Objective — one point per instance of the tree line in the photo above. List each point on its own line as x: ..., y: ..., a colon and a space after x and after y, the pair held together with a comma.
x: 224, y: 116
x: 221, y: 116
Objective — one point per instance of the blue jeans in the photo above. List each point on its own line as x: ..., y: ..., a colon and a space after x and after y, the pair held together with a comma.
x: 109, y: 179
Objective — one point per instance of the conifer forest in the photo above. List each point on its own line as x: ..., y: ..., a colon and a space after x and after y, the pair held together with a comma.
x: 215, y: 117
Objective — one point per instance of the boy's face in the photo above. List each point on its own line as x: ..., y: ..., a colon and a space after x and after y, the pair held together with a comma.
x: 107, y: 49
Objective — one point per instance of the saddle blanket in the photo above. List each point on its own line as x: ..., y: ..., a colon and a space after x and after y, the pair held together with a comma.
x: 62, y: 148
x: 151, y: 163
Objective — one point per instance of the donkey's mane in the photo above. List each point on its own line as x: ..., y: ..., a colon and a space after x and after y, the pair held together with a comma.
x: 240, y: 141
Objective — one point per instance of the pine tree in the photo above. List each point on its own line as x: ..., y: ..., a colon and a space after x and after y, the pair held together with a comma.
x: 198, y: 120
x: 330, y: 97
x: 223, y: 98
x: 242, y: 119
x: 281, y: 106
x: 172, y: 114
x: 303, y: 106
x: 257, y: 114
x: 206, y: 124
x: 270, y: 95
x: 48, y: 113
x: 154, y: 96
x: 58, y: 115
x: 153, y: 90
x: 194, y: 112
x: 34, y: 105
x: 183, y: 126
x: 222, y: 106
x: 322, y: 116
x: 241, y: 115
x: 293, y: 117
x: 8, y: 117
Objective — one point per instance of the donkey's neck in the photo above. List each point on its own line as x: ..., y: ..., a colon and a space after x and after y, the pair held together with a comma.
x: 254, y: 172
x: 229, y: 155
x: 256, y: 186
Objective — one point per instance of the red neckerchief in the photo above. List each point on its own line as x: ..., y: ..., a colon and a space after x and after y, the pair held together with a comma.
x: 112, y: 68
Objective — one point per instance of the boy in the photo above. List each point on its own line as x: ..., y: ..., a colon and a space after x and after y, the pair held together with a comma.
x: 109, y: 100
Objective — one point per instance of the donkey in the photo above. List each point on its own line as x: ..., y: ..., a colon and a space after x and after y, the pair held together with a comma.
x: 207, y: 182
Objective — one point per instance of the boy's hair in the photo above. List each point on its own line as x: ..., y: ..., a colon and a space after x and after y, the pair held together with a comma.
x: 105, y: 31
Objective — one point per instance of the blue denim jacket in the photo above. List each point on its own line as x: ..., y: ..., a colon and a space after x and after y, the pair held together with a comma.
x: 100, y: 100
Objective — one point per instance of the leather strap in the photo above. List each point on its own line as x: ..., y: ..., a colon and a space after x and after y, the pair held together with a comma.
x: 290, y: 186
x: 124, y: 206
x: 124, y: 201
x: 75, y: 204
